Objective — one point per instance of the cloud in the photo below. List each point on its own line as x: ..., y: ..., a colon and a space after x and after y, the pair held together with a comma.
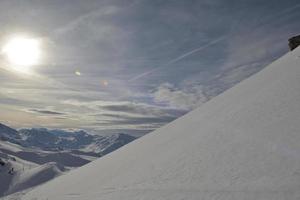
x: 122, y: 114
x: 141, y: 120
x: 47, y: 112
x: 85, y: 18
x: 181, y: 57
x: 139, y: 109
x: 185, y: 98
x: 129, y: 107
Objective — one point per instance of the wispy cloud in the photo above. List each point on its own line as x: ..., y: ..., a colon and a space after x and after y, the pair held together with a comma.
x: 124, y: 114
x: 47, y: 112
x: 173, y: 61
x: 184, y: 98
x: 85, y: 18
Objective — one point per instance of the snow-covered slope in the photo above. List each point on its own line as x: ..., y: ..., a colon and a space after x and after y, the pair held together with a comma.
x: 243, y: 144
x: 18, y: 174
x: 23, y: 180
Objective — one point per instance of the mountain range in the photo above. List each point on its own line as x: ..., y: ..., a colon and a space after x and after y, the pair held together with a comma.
x: 60, y: 140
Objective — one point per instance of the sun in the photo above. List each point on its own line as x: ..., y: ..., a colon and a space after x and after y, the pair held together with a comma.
x: 22, y: 52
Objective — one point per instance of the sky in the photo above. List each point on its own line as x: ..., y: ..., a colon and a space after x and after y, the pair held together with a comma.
x: 132, y: 66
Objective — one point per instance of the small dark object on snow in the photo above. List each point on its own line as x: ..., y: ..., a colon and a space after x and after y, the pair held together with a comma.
x: 13, y: 158
x: 294, y: 42
x: 2, y: 163
x: 11, y: 171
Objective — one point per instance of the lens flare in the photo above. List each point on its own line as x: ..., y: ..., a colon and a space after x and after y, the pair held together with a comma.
x: 78, y: 73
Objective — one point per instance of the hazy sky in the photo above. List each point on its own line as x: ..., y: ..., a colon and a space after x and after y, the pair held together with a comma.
x: 142, y: 63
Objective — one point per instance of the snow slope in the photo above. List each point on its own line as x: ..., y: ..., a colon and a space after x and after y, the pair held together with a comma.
x: 25, y: 174
x: 32, y: 167
x: 34, y: 176
x: 243, y: 144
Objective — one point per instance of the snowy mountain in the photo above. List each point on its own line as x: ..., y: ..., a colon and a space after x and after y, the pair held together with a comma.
x: 30, y: 157
x: 55, y: 139
x: 243, y: 144
x: 9, y: 134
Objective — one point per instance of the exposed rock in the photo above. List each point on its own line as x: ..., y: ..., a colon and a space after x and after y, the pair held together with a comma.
x: 294, y: 42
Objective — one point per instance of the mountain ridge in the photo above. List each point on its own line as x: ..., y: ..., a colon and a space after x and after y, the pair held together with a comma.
x: 60, y: 140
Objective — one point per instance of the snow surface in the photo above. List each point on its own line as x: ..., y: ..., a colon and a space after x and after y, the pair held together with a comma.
x: 31, y: 168
x: 34, y: 176
x: 243, y: 144
x: 26, y: 174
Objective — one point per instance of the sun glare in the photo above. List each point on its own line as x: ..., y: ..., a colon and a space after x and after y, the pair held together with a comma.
x: 22, y: 52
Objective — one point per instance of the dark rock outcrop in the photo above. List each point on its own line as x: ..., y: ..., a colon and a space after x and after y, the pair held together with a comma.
x: 294, y: 42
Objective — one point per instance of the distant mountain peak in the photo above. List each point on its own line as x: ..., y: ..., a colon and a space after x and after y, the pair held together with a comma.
x: 7, y: 133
